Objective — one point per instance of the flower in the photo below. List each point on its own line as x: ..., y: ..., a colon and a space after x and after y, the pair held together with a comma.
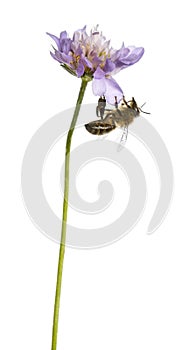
x: 92, y: 56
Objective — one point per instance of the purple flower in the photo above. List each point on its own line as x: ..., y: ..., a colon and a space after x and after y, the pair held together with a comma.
x: 92, y: 56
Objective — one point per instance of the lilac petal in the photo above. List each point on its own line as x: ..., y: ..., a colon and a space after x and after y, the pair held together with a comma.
x: 96, y: 61
x: 125, y: 57
x: 112, y: 90
x: 109, y: 66
x: 134, y: 56
x: 123, y: 52
x: 56, y: 57
x: 99, y: 74
x: 61, y: 57
x: 106, y: 45
x: 66, y: 46
x: 65, y: 42
x: 80, y: 69
x: 119, y: 54
x: 87, y: 62
x: 66, y: 58
x: 99, y: 87
x: 82, y: 31
x: 63, y: 35
x: 57, y: 41
x: 74, y: 46
x: 131, y: 48
x: 78, y: 33
x: 94, y: 58
x: 77, y: 51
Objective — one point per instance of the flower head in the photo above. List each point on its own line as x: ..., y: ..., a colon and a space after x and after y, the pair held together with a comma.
x: 92, y: 56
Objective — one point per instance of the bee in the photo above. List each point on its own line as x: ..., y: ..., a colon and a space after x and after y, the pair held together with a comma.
x: 120, y: 117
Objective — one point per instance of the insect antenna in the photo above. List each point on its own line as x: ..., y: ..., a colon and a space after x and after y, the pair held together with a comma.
x: 143, y: 105
x: 140, y: 109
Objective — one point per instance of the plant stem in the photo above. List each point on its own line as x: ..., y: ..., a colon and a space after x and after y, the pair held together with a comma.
x: 64, y: 218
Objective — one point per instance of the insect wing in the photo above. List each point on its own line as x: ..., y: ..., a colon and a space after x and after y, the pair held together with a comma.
x: 124, y: 135
x: 123, y: 138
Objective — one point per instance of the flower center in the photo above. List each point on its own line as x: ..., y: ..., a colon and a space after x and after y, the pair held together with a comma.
x: 76, y: 59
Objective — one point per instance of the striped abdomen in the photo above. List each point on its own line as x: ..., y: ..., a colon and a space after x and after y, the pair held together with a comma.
x: 99, y: 127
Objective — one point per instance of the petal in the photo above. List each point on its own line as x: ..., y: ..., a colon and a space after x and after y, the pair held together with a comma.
x: 61, y: 57
x: 66, y: 47
x: 109, y: 66
x: 86, y: 62
x: 99, y: 87
x: 99, y: 74
x: 106, y: 45
x: 121, y: 53
x: 56, y: 57
x: 94, y: 59
x: 65, y: 42
x: 79, y: 33
x: 80, y: 69
x: 131, y: 48
x: 54, y: 37
x: 112, y: 90
x: 63, y: 35
x: 126, y: 57
x: 77, y: 49
x: 134, y: 56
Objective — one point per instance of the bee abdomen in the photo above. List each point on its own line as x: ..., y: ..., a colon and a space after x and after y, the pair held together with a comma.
x: 99, y: 127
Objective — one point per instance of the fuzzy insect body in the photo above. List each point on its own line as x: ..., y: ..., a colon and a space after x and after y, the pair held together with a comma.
x: 120, y: 117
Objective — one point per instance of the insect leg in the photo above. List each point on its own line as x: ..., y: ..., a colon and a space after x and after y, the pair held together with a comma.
x: 133, y: 105
x: 116, y: 103
x: 100, y: 109
x: 116, y: 106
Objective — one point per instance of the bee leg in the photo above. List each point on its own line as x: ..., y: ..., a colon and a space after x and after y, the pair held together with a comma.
x: 133, y: 105
x: 116, y: 106
x: 126, y: 103
x: 116, y: 103
x: 100, y: 109
x: 97, y: 112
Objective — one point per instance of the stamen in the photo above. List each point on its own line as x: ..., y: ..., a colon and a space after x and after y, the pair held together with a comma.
x: 95, y: 31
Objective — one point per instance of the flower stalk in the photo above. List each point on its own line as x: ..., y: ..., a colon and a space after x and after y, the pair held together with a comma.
x: 84, y: 83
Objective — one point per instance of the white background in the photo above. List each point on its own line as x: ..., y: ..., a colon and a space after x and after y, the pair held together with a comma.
x: 138, y: 293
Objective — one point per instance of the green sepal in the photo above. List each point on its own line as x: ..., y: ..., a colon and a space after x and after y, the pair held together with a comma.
x: 68, y: 69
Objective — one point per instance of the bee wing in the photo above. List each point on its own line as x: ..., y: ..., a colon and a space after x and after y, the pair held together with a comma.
x: 123, y: 138
x: 124, y: 135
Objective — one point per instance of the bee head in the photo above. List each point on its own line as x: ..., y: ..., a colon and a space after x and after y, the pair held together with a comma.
x: 133, y: 104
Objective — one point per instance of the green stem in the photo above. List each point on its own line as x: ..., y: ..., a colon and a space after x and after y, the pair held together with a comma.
x: 64, y: 218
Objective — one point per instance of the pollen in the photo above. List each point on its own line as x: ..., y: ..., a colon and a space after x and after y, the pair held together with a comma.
x: 103, y: 53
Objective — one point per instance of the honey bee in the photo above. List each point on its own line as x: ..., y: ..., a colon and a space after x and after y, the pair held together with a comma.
x: 120, y: 117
